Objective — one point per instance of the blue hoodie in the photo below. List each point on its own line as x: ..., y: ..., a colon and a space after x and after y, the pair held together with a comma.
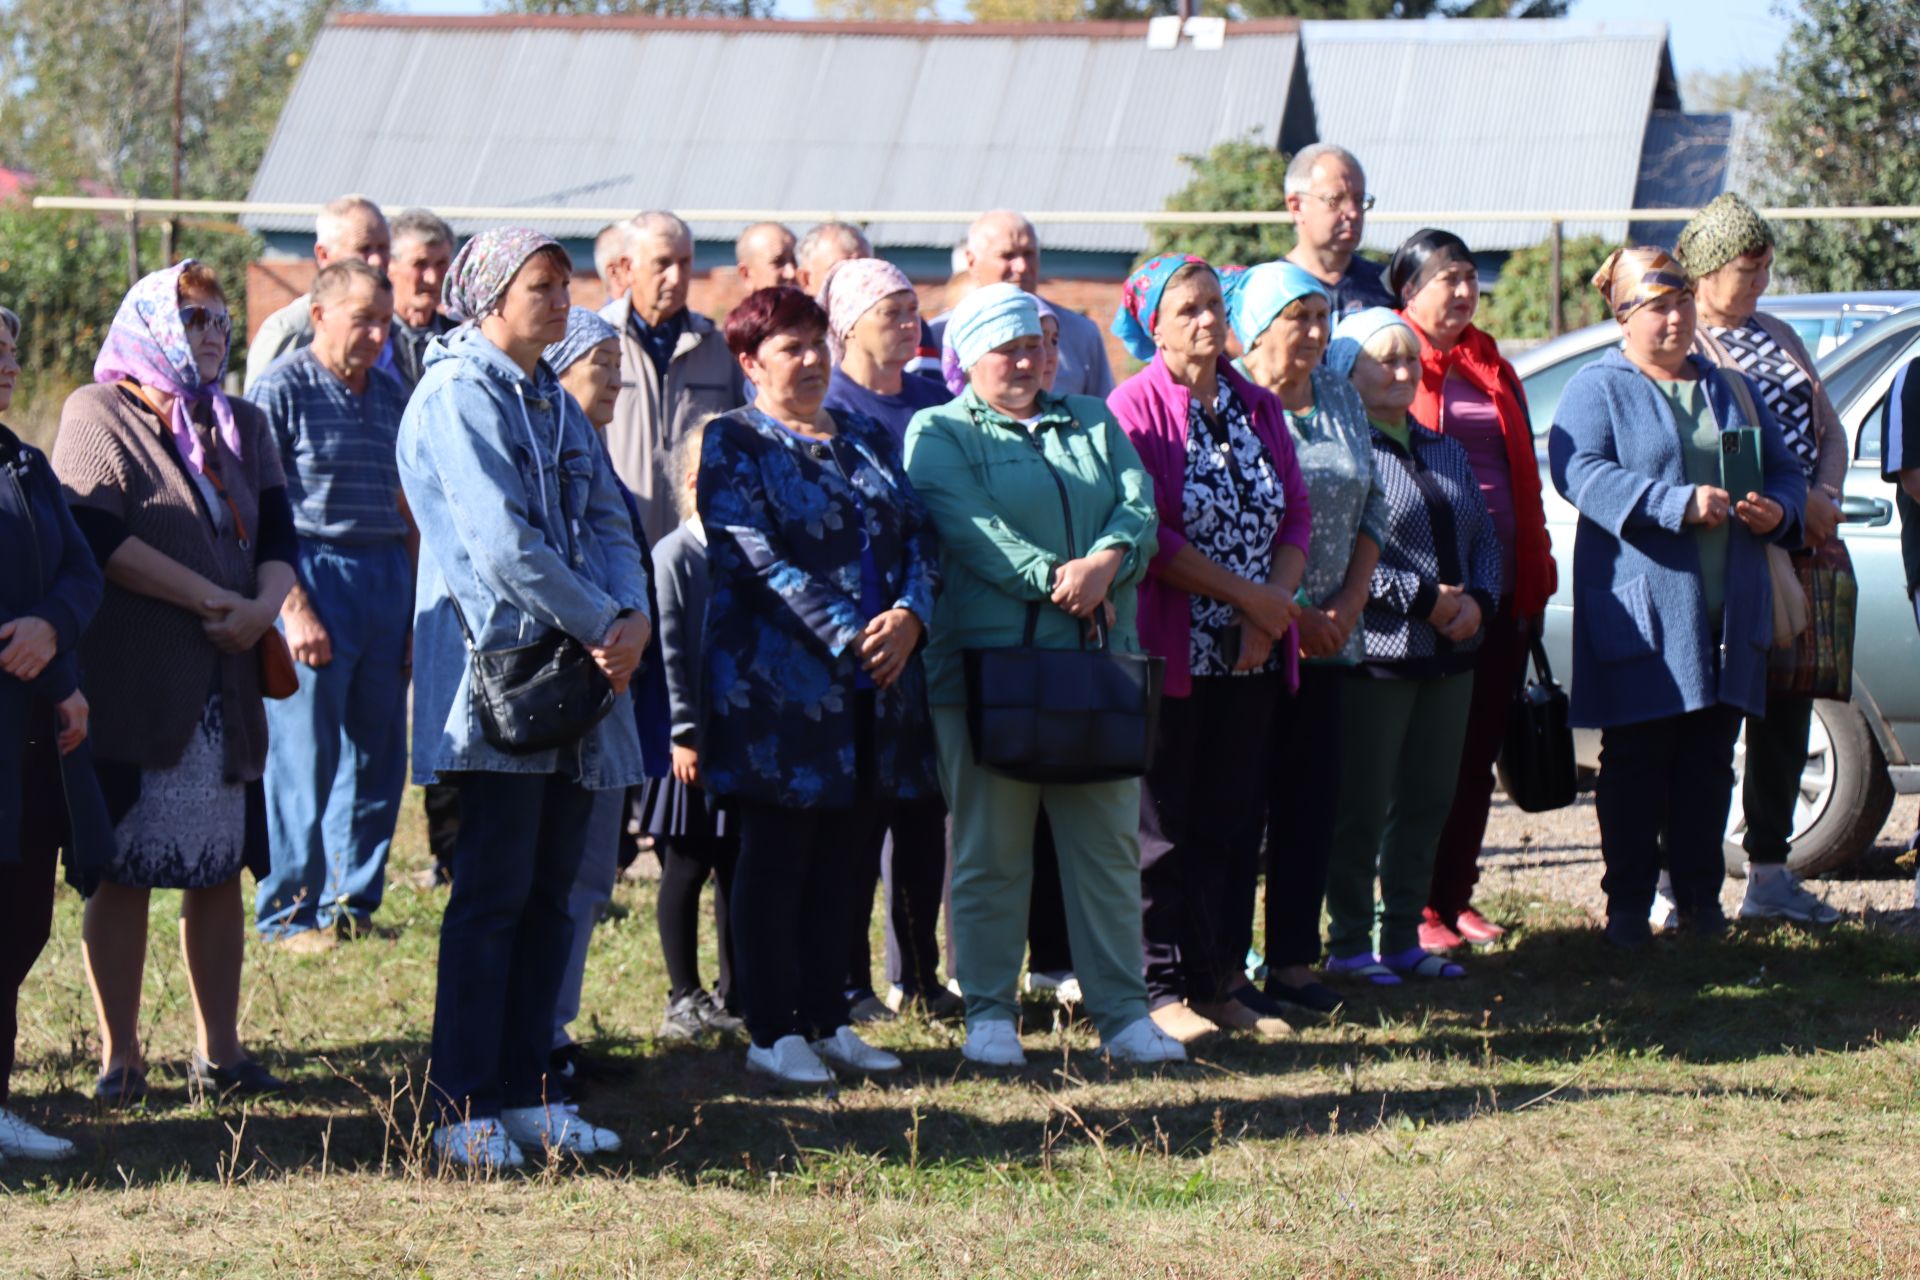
x: 522, y: 521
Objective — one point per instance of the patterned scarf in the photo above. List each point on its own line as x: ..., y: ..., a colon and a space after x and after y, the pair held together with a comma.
x: 148, y: 343
x: 853, y: 287
x: 1140, y: 301
x: 485, y: 266
x: 1631, y: 278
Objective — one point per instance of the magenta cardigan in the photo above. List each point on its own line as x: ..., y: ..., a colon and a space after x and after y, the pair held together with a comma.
x: 1152, y: 409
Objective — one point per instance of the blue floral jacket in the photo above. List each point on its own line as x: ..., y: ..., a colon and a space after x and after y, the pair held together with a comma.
x: 784, y: 529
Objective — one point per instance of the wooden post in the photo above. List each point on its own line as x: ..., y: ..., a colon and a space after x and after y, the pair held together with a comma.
x: 133, y: 248
x: 1556, y: 320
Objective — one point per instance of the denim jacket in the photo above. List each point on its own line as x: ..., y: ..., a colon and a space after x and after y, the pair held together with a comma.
x: 523, y: 524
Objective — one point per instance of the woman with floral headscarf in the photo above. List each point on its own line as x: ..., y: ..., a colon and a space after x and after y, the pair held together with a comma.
x: 180, y: 493
x: 1673, y: 603
x: 1218, y: 604
x: 523, y: 533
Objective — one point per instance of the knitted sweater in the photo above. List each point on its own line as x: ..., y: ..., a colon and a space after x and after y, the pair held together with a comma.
x: 149, y: 666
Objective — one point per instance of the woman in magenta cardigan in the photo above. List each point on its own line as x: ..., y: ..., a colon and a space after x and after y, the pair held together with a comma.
x: 1218, y: 605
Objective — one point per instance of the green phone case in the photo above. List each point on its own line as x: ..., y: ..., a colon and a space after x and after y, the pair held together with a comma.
x: 1740, y: 469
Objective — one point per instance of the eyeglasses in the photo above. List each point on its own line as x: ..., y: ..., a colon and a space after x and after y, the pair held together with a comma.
x: 206, y: 317
x: 1360, y: 204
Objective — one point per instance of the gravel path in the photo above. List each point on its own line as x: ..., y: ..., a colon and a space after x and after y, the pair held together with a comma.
x: 1557, y: 855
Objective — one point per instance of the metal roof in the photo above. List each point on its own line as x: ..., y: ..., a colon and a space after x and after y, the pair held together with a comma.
x: 1683, y: 164
x: 735, y: 115
x: 1489, y: 114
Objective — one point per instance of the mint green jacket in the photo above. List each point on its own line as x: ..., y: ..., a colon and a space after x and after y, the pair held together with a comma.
x: 996, y: 493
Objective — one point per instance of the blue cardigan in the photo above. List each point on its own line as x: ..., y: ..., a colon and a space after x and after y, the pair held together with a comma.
x: 1642, y: 646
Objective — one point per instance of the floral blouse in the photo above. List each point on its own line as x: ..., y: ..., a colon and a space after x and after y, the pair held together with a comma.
x: 1335, y: 447
x: 1232, y: 503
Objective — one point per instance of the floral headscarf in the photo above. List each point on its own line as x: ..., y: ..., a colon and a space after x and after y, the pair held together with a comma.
x: 1140, y: 301
x: 485, y: 266
x: 148, y: 343
x: 1631, y: 278
x: 852, y: 288
x: 586, y: 329
x: 1256, y: 297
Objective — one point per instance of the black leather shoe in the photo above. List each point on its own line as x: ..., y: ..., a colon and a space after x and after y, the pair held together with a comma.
x: 244, y: 1079
x: 122, y: 1087
x: 1316, y: 997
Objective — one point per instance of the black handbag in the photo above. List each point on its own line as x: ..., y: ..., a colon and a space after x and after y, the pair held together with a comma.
x: 535, y: 696
x: 1062, y: 715
x: 1536, y: 759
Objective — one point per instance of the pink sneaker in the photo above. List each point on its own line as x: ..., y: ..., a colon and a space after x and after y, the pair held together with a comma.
x: 1436, y: 934
x: 1477, y: 929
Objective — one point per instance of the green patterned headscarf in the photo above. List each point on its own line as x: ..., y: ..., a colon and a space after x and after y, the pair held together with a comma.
x: 1726, y: 229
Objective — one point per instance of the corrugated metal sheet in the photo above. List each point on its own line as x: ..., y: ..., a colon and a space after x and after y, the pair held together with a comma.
x: 1491, y: 115
x: 756, y: 118
x: 1683, y: 163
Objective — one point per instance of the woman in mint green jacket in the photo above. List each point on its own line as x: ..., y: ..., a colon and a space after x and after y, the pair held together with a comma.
x: 1041, y: 499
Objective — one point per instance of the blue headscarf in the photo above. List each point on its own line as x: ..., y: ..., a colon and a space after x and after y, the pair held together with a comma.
x: 1256, y: 297
x: 1140, y: 301
x: 586, y: 329
x: 990, y: 318
x: 1356, y: 331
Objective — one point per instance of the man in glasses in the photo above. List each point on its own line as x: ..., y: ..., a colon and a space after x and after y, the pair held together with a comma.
x: 1327, y: 196
x: 348, y: 227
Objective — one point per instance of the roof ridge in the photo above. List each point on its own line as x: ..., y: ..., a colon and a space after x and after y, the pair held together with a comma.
x: 783, y: 26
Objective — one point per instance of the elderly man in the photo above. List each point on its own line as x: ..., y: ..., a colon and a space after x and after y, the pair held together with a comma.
x: 422, y: 251
x: 610, y: 257
x: 1326, y: 193
x: 348, y: 227
x: 1002, y: 247
x: 674, y: 366
x: 822, y: 247
x: 764, y: 254
x: 336, y: 766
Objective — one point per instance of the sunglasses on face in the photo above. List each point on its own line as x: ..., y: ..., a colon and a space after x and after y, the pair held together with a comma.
x: 206, y: 317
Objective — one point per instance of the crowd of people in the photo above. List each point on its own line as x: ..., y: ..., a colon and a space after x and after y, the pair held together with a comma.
x: 719, y: 588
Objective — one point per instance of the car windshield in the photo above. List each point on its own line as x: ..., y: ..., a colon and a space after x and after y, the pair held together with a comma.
x: 1867, y: 355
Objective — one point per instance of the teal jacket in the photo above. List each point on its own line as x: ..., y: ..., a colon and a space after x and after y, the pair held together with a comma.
x: 996, y: 493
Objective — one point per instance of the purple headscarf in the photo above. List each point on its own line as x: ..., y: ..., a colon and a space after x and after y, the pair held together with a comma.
x: 148, y: 343
x: 485, y: 266
x: 950, y: 371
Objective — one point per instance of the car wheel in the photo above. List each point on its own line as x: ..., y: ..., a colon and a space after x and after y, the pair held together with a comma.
x: 1845, y: 795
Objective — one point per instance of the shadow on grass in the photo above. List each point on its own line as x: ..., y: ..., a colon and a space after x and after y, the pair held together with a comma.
x: 1528, y: 1015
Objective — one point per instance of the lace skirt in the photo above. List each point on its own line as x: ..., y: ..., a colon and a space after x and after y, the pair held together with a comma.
x: 188, y: 829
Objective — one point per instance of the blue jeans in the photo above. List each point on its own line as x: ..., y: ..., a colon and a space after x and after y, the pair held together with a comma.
x: 587, y: 901
x: 505, y: 939
x: 337, y: 757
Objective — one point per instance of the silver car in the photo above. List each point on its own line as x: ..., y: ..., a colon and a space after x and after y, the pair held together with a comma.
x: 1859, y: 754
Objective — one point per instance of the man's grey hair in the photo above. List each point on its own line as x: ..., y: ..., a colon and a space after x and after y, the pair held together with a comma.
x: 423, y: 225
x: 740, y: 242
x: 658, y: 222
x: 609, y: 244
x: 1299, y: 179
x: 335, y: 215
x: 846, y: 237
x: 986, y: 222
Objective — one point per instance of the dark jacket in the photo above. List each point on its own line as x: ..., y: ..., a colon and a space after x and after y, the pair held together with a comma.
x: 785, y: 519
x: 48, y: 572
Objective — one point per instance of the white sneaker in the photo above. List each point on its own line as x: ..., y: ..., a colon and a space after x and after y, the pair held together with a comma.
x: 25, y: 1142
x: 846, y: 1049
x: 1665, y: 915
x: 557, y: 1128
x: 476, y: 1144
x: 1143, y: 1043
x: 790, y: 1061
x: 1063, y: 987
x: 993, y: 1044
x: 1777, y: 895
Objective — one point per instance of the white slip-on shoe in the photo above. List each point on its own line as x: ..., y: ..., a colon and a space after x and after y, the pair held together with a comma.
x: 26, y: 1142
x: 790, y: 1061
x: 476, y: 1144
x: 557, y: 1128
x: 1143, y: 1043
x: 844, y: 1048
x: 993, y: 1044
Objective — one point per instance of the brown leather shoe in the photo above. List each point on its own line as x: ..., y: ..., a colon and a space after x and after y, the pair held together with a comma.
x: 1234, y: 1016
x: 1182, y: 1023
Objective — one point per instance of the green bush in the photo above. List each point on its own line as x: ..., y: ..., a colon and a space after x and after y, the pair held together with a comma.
x: 1520, y: 305
x: 1244, y: 176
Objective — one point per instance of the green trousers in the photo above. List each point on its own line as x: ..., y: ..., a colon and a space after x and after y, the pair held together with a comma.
x: 1400, y: 757
x: 1096, y: 829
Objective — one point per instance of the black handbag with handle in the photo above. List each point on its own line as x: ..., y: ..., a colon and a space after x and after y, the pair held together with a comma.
x: 1062, y: 715
x: 536, y: 696
x: 1536, y: 760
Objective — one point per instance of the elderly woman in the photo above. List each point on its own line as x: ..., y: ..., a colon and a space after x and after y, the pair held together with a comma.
x: 1728, y: 251
x: 1674, y: 605
x: 822, y: 571
x: 1281, y: 316
x: 525, y: 540
x: 1044, y: 512
x: 1469, y: 393
x: 50, y: 587
x: 1406, y: 702
x: 180, y: 493
x: 1218, y: 605
x: 873, y: 332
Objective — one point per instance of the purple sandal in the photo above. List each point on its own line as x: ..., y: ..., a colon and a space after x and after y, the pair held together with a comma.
x: 1365, y: 965
x: 1421, y: 963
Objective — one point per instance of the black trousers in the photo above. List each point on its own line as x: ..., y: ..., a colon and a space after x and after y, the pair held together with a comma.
x: 1776, y: 759
x: 1303, y: 797
x: 685, y: 864
x: 1665, y: 783
x: 1201, y: 811
x: 26, y: 920
x: 910, y: 860
x: 1047, y: 947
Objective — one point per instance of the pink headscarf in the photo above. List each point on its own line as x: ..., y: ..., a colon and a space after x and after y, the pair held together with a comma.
x: 148, y: 343
x: 852, y: 288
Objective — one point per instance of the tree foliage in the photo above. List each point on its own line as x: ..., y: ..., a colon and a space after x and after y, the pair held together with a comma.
x: 1844, y: 131
x: 1520, y: 306
x: 1243, y: 176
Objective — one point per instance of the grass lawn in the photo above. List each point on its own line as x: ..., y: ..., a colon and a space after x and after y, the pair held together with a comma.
x: 1741, y: 1109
